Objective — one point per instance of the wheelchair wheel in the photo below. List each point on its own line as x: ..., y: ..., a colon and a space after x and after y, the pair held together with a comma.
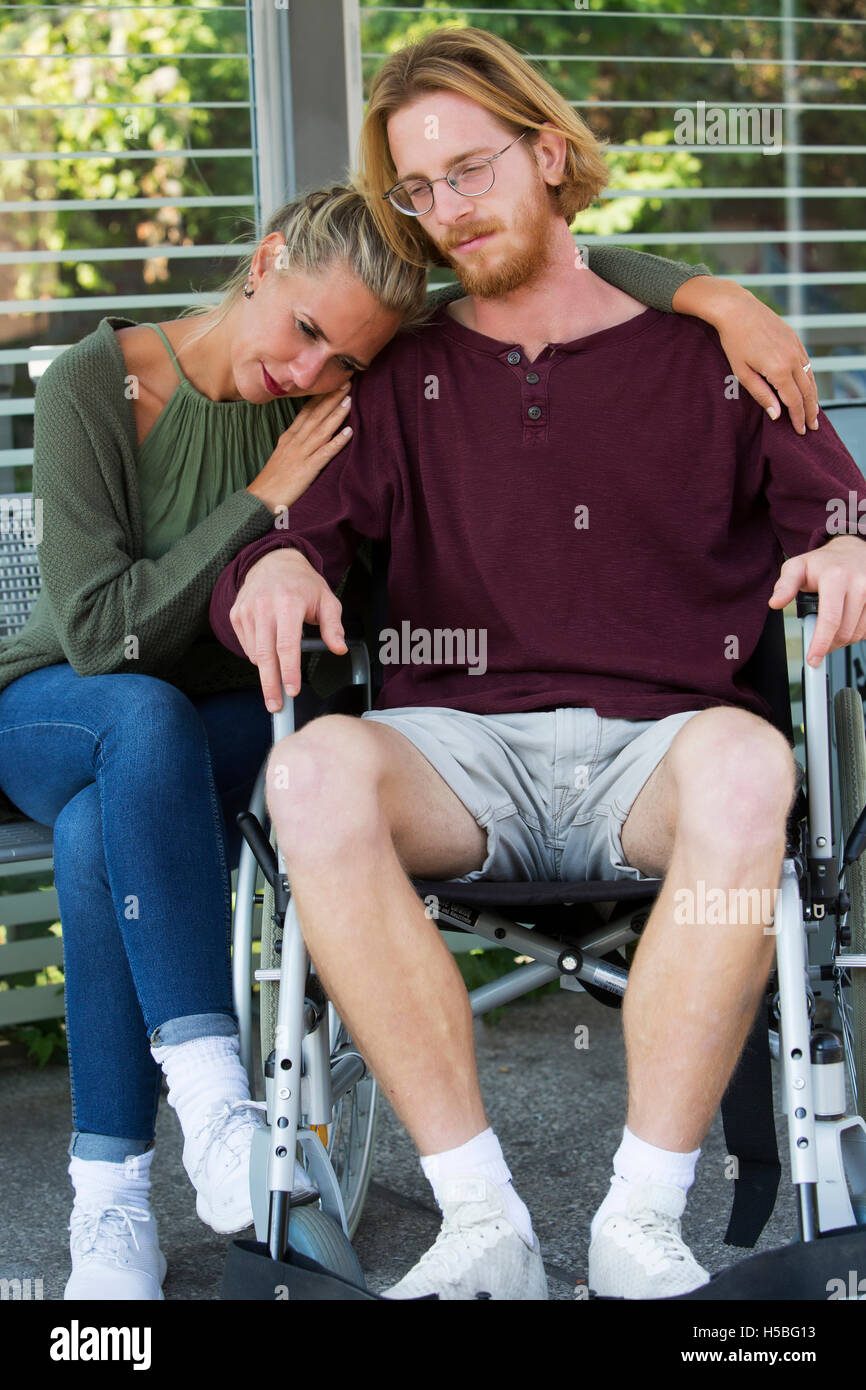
x: 352, y: 1132
x: 851, y: 745
x: 315, y: 1234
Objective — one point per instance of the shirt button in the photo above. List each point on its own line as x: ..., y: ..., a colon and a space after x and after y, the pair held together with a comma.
x: 534, y: 412
x: 513, y: 358
x: 532, y: 377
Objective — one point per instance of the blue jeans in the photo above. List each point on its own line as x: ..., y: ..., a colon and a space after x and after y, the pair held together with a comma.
x: 141, y: 785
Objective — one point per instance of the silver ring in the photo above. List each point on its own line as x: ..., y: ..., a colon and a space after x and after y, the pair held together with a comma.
x: 807, y: 367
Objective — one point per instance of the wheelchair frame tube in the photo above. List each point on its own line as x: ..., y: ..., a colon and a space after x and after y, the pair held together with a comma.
x: 816, y: 722
x: 511, y: 986
x: 544, y: 951
x: 286, y: 1107
x: 316, y: 1095
x: 795, y: 1049
x: 288, y: 1043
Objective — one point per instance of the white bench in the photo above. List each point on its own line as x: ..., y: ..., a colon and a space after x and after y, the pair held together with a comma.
x: 25, y: 847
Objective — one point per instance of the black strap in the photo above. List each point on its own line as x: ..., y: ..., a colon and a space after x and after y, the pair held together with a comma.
x: 750, y: 1134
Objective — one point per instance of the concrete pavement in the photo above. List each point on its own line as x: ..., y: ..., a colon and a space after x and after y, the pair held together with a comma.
x: 558, y: 1111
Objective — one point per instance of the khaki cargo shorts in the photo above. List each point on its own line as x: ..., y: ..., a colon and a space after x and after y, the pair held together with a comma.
x: 552, y: 788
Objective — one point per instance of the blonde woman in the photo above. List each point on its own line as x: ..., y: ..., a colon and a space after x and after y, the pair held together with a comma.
x: 160, y: 451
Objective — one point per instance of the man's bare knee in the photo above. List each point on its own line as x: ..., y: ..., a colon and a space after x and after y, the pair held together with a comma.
x: 734, y: 778
x: 365, y: 780
x: 323, y: 785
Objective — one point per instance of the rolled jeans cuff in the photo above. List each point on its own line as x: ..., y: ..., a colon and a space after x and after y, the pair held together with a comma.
x: 106, y: 1147
x: 181, y: 1030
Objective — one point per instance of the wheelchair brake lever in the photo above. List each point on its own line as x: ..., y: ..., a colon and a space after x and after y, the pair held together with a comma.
x: 259, y: 844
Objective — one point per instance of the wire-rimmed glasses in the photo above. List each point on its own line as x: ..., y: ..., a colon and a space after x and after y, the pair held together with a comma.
x: 471, y: 177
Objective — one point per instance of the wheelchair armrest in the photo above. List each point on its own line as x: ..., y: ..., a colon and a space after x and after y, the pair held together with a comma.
x: 358, y: 653
x: 283, y: 722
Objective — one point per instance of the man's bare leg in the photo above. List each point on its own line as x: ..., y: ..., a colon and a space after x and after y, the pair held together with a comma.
x: 714, y: 809
x: 356, y: 809
x: 361, y: 810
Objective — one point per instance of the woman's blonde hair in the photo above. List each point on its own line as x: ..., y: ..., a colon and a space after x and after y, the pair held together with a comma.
x: 488, y: 70
x: 333, y: 226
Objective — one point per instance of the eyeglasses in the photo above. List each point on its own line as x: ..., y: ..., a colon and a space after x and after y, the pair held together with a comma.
x: 473, y: 177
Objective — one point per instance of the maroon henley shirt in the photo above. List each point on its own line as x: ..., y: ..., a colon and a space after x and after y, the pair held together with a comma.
x: 600, y: 527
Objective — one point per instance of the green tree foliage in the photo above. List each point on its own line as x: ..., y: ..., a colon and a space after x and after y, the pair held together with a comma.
x: 135, y: 110
x: 626, y: 68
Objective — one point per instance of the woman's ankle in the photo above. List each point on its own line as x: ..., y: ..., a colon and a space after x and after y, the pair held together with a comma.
x: 99, y: 1182
x: 202, y: 1074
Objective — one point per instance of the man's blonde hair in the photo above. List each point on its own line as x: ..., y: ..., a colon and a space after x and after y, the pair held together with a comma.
x: 492, y: 73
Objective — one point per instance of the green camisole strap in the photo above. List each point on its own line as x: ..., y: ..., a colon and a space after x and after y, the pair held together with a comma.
x: 156, y: 328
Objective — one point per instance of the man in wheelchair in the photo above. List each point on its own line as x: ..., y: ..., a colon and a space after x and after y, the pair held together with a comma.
x: 580, y: 479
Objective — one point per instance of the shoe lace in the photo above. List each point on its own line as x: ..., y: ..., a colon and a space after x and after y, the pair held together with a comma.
x: 661, y: 1239
x: 104, y: 1230
x: 232, y: 1125
x: 229, y: 1123
x: 456, y: 1247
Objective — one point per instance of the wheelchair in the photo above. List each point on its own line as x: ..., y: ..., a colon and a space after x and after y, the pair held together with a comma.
x: 321, y: 1098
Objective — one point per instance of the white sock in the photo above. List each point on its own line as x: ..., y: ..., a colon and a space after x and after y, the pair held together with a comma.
x: 636, y: 1162
x: 201, y: 1074
x: 99, y: 1183
x: 479, y: 1157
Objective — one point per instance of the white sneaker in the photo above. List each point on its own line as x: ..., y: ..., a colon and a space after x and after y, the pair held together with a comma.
x: 115, y: 1254
x: 477, y: 1251
x: 217, y: 1158
x: 642, y: 1254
